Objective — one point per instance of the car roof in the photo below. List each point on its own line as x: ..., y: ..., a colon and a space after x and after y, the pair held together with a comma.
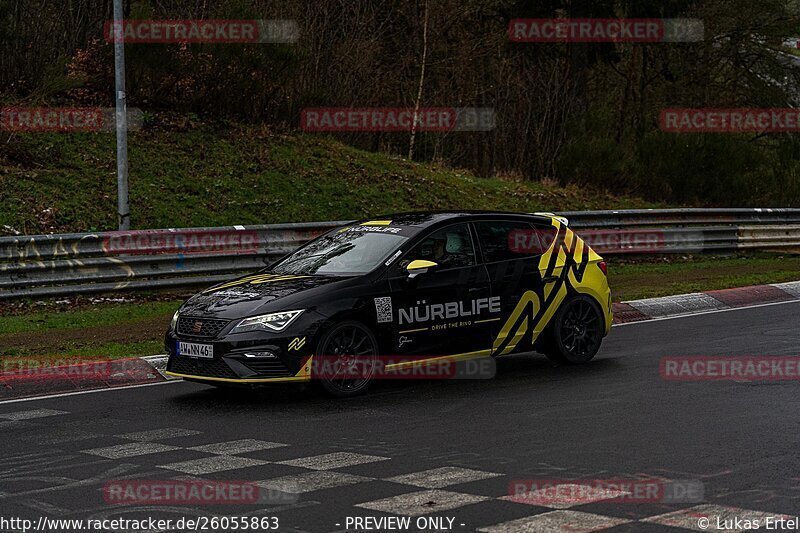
x: 424, y: 219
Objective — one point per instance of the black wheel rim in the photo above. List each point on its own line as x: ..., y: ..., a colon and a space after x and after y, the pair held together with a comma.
x: 349, y: 355
x: 580, y: 329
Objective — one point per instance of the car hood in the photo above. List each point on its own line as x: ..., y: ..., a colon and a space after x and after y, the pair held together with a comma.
x: 256, y: 294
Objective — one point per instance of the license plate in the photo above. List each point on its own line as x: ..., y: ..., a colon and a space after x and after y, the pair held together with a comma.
x: 191, y: 349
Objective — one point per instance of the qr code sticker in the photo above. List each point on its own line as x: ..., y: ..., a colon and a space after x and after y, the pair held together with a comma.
x: 383, y: 306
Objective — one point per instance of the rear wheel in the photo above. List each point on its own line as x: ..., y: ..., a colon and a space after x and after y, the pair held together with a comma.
x: 346, y: 359
x: 576, y: 332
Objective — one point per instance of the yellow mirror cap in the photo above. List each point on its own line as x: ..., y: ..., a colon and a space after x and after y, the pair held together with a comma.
x: 419, y: 264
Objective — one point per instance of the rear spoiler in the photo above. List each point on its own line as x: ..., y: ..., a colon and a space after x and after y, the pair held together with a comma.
x: 561, y: 219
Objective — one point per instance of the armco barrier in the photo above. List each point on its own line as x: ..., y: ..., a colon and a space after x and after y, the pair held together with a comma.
x: 80, y: 263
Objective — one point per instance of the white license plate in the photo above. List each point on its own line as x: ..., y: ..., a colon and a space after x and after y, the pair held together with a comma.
x: 191, y: 349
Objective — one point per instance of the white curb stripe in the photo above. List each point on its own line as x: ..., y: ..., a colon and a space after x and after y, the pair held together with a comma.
x: 330, y: 461
x: 572, y: 521
x: 209, y: 465
x: 681, y: 304
x: 422, y: 502
x: 442, y: 477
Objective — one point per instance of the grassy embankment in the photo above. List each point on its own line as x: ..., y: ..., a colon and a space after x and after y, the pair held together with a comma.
x: 198, y: 176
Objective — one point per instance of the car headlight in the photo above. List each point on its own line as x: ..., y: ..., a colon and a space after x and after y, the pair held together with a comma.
x: 174, y: 321
x: 270, y: 322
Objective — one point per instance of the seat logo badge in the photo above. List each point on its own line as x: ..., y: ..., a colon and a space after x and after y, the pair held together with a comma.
x: 197, y: 327
x: 297, y: 343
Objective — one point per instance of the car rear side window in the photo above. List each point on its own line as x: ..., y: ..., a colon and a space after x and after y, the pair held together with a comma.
x: 547, y: 234
x: 506, y: 240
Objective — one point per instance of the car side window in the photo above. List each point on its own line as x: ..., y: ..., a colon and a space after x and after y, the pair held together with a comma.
x: 502, y: 241
x: 547, y: 234
x: 450, y: 247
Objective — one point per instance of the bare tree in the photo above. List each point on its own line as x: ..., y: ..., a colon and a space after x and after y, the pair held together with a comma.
x: 421, y: 82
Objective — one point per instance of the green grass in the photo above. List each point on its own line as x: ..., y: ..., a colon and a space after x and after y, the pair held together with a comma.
x: 632, y: 281
x: 102, y: 315
x: 102, y: 352
x: 142, y: 324
x: 99, y: 331
x: 793, y: 51
x: 243, y: 175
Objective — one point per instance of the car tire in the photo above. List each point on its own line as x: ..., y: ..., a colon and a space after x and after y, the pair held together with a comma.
x: 351, y: 347
x: 576, y: 332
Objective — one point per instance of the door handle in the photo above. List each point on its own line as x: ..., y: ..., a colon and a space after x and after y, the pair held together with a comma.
x: 550, y: 279
x: 476, y: 289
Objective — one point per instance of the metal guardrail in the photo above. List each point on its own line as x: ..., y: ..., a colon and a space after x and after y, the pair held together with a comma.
x: 682, y: 217
x: 82, y: 263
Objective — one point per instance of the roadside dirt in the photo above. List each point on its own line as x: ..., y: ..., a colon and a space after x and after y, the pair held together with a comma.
x: 63, y: 340
x: 82, y: 302
x: 707, y: 277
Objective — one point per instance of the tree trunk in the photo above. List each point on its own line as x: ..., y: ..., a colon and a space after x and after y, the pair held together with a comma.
x: 421, y: 82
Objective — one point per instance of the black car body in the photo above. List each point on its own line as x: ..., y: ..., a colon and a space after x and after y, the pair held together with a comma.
x: 423, y: 285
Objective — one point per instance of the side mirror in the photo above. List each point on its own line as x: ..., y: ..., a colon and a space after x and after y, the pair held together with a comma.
x: 419, y: 266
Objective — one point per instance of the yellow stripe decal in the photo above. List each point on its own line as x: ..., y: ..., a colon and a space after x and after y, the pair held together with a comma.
x: 240, y: 282
x: 270, y: 280
x: 304, y: 374
x: 240, y: 380
x: 255, y: 280
x: 521, y: 331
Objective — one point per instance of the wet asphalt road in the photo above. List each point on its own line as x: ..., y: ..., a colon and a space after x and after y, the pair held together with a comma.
x: 444, y: 449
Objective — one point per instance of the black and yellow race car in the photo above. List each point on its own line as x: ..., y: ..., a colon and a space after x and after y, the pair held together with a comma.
x: 428, y: 287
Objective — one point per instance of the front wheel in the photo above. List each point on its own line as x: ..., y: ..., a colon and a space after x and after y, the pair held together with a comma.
x: 576, y: 332
x: 346, y: 359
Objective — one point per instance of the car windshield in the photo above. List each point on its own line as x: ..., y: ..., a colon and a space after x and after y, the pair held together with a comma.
x: 348, y: 251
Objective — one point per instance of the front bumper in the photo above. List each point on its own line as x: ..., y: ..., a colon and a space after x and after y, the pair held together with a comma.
x: 252, y: 357
x: 230, y: 370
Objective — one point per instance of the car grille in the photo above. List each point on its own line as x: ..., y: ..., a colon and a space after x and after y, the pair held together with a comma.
x: 208, y: 327
x: 213, y: 368
x: 268, y: 368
